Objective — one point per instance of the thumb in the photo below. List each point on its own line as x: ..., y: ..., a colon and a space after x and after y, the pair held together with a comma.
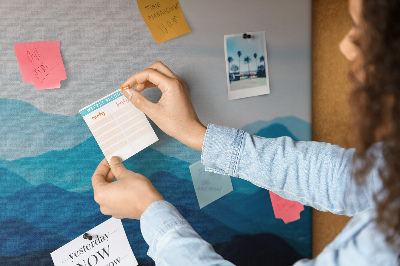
x: 117, y: 167
x: 138, y: 100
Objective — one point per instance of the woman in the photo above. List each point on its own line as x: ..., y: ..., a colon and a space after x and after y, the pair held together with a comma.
x: 316, y: 174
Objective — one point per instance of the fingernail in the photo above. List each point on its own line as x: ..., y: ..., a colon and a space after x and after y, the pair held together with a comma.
x: 115, y: 160
x: 124, y: 88
x: 128, y: 94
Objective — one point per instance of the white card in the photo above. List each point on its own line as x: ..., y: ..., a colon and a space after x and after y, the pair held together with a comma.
x: 109, y: 246
x: 118, y: 126
x: 209, y: 186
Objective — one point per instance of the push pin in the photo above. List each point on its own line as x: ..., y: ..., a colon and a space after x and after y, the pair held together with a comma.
x: 246, y: 36
x: 88, y: 236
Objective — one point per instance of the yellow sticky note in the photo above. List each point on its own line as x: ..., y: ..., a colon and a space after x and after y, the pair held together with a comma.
x: 164, y: 18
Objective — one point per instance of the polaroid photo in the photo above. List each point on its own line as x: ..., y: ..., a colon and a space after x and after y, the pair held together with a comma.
x: 246, y: 65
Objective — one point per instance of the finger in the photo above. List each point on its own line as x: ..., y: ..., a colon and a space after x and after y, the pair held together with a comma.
x: 117, y: 167
x: 142, y: 86
x: 104, y: 210
x: 110, y: 177
x: 159, y: 80
x: 160, y: 67
x: 99, y: 176
x: 140, y: 102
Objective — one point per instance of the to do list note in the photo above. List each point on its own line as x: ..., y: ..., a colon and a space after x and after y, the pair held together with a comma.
x: 118, y: 126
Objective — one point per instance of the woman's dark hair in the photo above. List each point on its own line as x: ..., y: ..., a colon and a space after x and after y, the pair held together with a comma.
x: 375, y: 102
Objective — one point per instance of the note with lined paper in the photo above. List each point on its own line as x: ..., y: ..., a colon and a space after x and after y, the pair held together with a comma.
x: 118, y: 126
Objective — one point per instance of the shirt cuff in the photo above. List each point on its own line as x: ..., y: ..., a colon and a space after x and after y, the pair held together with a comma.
x: 222, y: 148
x: 158, y: 219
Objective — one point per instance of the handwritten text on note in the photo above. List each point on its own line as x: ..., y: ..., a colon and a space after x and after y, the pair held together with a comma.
x: 41, y: 63
x: 164, y: 19
x: 209, y: 186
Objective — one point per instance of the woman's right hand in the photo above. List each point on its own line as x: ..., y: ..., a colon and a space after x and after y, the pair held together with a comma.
x: 174, y: 112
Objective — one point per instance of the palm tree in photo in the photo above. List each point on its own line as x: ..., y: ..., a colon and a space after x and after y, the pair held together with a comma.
x: 262, y: 71
x: 230, y: 60
x: 262, y: 59
x: 234, y: 68
x: 255, y: 59
x: 239, y: 53
x: 247, y: 60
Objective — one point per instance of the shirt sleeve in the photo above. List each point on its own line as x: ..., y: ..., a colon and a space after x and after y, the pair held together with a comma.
x: 312, y: 173
x: 172, y: 241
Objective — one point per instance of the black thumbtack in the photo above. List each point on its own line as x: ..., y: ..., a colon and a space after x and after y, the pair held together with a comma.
x: 246, y: 36
x: 87, y: 236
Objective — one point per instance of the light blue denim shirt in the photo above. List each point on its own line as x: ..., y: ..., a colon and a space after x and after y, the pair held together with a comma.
x: 312, y: 173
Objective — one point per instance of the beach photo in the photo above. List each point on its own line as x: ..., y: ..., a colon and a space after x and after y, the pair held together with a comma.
x: 246, y: 65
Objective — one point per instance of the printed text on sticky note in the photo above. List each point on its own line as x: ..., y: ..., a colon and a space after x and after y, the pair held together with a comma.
x: 288, y: 211
x: 118, y: 126
x: 108, y: 246
x: 41, y: 63
x: 164, y: 18
x: 209, y: 186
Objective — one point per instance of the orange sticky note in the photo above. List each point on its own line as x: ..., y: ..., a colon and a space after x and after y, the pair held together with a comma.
x: 288, y: 211
x: 41, y: 63
x: 164, y: 18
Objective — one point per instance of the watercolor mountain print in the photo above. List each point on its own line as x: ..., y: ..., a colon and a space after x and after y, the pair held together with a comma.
x: 46, y: 198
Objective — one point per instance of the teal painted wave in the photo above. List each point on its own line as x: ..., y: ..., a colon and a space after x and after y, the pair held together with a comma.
x: 53, y: 212
x: 299, y: 128
x: 46, y: 168
x: 28, y: 132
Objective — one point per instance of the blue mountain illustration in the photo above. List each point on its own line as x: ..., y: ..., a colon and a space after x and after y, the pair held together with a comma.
x: 234, y: 211
x: 173, y: 148
x: 39, y: 191
x: 11, y: 182
x: 69, y: 169
x: 297, y: 127
x: 73, y: 168
x: 242, y: 250
x: 258, y: 250
x: 48, y: 207
x: 27, y: 131
x: 40, y: 257
x: 275, y: 131
x: 18, y: 237
x: 69, y: 214
x: 67, y: 221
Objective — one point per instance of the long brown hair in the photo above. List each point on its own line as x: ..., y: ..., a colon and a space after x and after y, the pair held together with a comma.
x: 375, y: 102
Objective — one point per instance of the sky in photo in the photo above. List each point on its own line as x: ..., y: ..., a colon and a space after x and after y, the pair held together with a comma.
x: 248, y: 47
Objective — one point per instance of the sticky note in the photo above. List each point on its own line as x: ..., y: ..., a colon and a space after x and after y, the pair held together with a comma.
x: 288, y: 211
x: 41, y: 64
x: 164, y: 18
x: 118, y: 126
x: 209, y: 186
x: 108, y: 246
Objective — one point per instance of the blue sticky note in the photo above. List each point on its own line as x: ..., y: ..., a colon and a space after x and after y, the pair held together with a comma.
x: 209, y: 186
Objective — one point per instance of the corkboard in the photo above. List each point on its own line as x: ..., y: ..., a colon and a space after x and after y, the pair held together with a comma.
x: 331, y: 88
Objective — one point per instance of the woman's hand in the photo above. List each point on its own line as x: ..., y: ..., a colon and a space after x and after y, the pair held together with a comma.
x: 174, y: 112
x: 128, y: 197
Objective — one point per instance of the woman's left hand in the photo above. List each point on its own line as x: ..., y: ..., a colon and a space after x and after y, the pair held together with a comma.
x: 128, y: 197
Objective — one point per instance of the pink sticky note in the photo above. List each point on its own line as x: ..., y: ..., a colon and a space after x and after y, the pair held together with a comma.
x: 41, y: 63
x: 288, y: 211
